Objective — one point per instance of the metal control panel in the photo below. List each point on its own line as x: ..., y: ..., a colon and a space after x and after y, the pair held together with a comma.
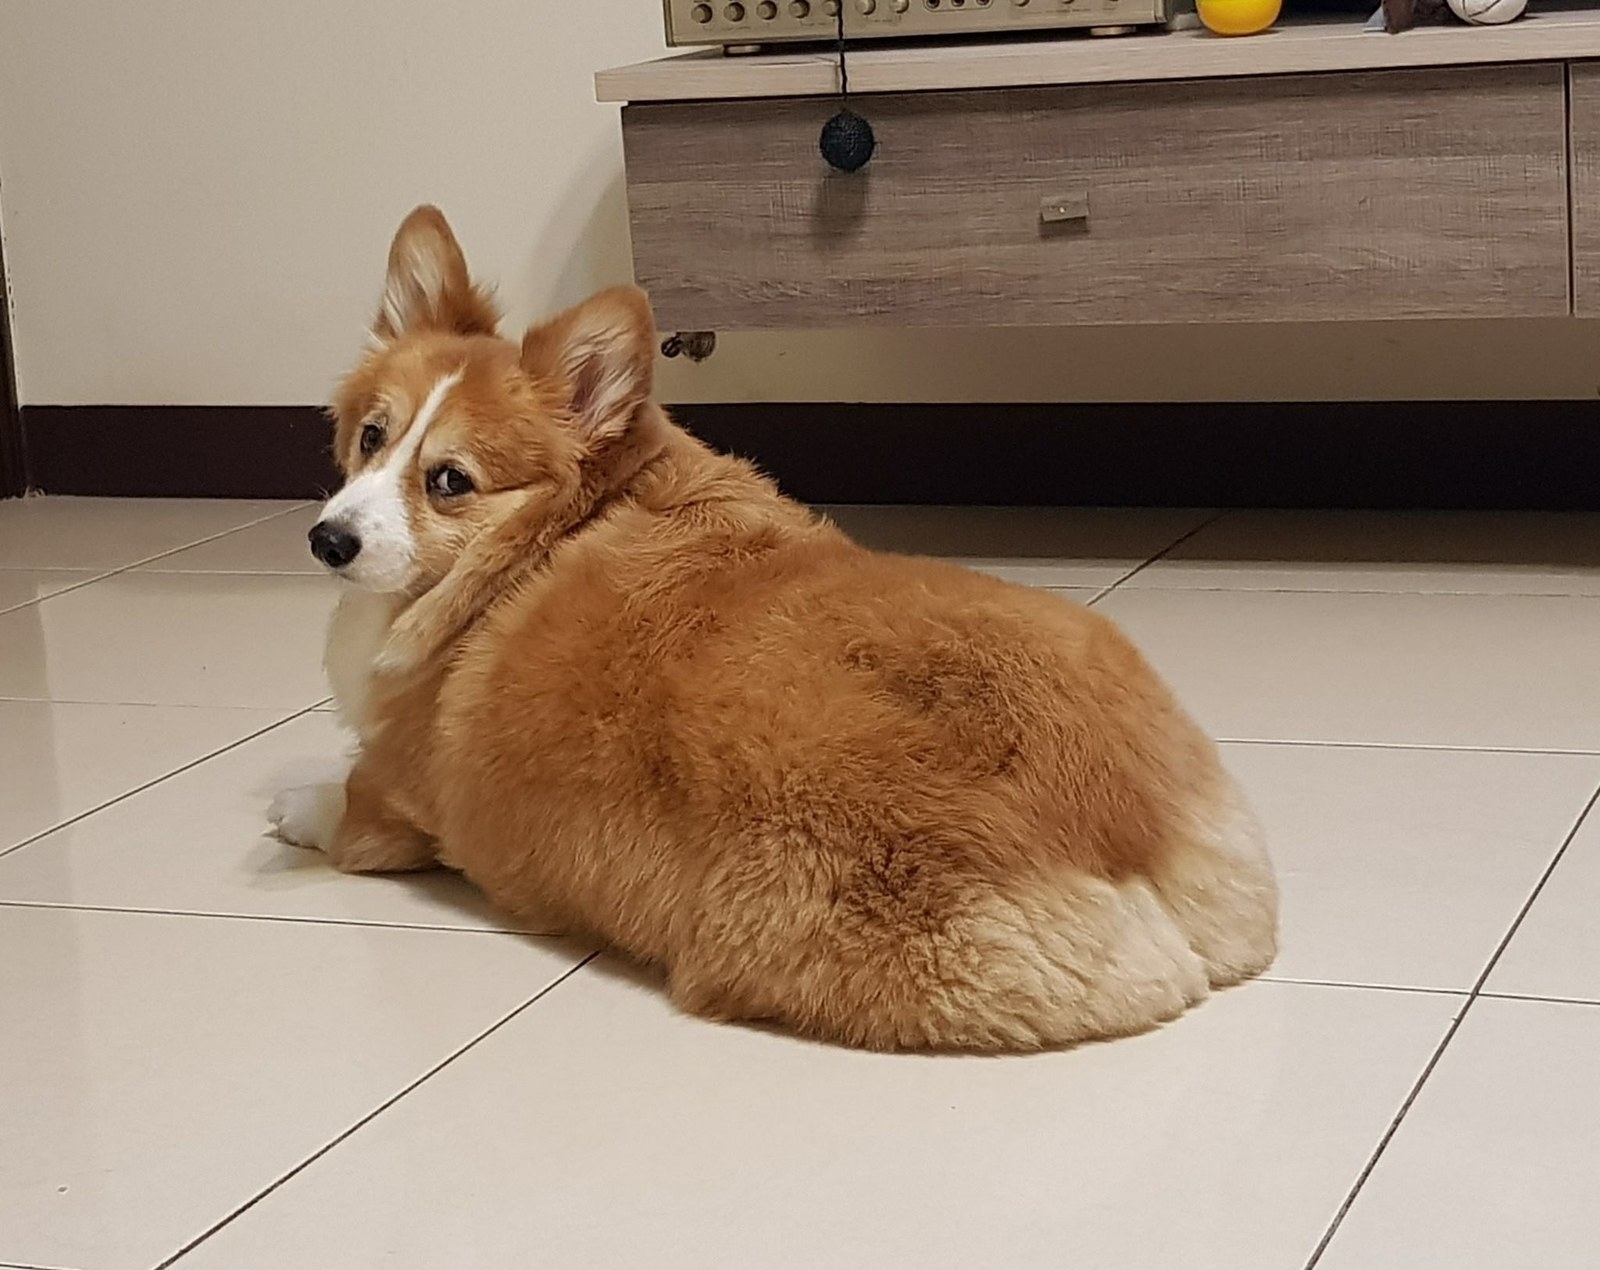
x: 752, y: 23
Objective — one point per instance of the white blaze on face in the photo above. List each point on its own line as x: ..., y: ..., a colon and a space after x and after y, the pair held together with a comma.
x: 373, y: 506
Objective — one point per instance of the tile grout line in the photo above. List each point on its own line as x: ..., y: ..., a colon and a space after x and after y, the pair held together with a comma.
x: 1537, y: 999
x: 353, y: 923
x: 1351, y: 985
x: 324, y: 703
x: 1533, y: 895
x: 374, y: 1113
x: 160, y: 555
x: 1415, y: 746
x: 40, y: 599
x: 1449, y: 1036
x: 1162, y: 554
x: 225, y: 533
x: 150, y: 784
x: 1167, y: 551
x: 1174, y: 588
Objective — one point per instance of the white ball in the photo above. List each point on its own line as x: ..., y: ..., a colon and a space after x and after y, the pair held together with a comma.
x: 1487, y: 12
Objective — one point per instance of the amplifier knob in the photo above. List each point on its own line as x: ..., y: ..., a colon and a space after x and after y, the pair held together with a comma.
x: 800, y: 8
x: 734, y: 13
x: 899, y: 6
x: 831, y: 8
x: 701, y: 13
x: 867, y: 7
x: 767, y: 10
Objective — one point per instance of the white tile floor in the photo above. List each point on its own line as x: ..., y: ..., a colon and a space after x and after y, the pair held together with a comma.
x: 214, y: 1052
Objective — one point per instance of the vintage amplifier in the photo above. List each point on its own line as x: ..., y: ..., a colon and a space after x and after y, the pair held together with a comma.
x: 747, y: 25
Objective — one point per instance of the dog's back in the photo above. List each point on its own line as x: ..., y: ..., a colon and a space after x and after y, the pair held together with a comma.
x: 879, y: 798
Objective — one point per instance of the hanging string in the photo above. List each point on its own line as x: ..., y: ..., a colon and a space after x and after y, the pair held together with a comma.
x: 847, y: 141
x: 844, y: 68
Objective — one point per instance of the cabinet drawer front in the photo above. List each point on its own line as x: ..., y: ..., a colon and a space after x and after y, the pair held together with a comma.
x: 1437, y: 193
x: 1586, y: 188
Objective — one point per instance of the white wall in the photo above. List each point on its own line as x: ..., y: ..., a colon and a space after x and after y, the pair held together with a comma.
x: 198, y: 195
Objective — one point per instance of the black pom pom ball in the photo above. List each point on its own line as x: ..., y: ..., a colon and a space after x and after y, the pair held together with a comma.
x: 847, y: 141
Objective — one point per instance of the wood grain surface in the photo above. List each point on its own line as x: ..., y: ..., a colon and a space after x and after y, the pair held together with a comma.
x: 1437, y: 193
x: 1585, y: 125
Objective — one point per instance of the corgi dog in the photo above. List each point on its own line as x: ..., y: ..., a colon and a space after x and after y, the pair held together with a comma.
x: 630, y: 690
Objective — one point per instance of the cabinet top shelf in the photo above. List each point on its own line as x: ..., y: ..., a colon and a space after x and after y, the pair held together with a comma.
x: 1077, y: 58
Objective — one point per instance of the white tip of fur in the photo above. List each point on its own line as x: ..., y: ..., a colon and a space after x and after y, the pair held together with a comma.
x: 308, y: 815
x: 396, y: 658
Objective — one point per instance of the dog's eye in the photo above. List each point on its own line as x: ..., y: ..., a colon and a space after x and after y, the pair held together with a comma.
x: 449, y: 482
x: 371, y: 439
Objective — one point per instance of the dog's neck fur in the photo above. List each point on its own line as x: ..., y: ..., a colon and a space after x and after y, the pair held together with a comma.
x: 363, y: 621
x: 663, y: 478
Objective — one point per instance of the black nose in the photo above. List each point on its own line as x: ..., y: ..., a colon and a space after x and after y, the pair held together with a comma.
x: 334, y: 546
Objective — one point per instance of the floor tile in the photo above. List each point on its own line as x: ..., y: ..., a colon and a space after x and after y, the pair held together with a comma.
x: 59, y: 759
x: 1405, y: 868
x: 1498, y: 671
x: 1040, y: 546
x: 1496, y: 1166
x: 25, y: 586
x: 199, y: 843
x: 1556, y: 950
x: 110, y: 533
x: 1507, y: 553
x: 172, y: 639
x: 653, y: 1139
x: 273, y: 546
x: 158, y: 1072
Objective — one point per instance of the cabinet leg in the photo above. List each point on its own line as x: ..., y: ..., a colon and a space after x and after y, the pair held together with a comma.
x: 695, y: 345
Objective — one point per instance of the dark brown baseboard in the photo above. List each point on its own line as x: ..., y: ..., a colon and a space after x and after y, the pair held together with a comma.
x: 179, y: 451
x: 1491, y: 455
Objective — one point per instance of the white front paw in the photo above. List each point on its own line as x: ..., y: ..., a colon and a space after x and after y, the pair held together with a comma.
x: 308, y: 815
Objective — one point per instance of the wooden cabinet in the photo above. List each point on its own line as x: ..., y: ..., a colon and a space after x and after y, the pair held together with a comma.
x: 1585, y: 124
x: 1375, y: 194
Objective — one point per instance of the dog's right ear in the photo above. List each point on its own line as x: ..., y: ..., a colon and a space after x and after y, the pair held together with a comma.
x: 428, y: 287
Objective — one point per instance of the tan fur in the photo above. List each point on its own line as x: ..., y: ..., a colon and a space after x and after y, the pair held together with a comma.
x: 879, y: 800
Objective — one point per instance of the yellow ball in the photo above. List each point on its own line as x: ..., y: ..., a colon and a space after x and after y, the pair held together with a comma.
x: 1238, y: 17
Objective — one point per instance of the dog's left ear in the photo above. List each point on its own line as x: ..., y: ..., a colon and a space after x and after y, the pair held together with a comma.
x: 601, y: 358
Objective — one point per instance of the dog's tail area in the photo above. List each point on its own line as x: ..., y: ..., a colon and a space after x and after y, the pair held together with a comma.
x: 1041, y: 962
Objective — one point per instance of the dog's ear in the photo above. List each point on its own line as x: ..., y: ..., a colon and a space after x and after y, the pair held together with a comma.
x: 600, y: 359
x: 427, y: 287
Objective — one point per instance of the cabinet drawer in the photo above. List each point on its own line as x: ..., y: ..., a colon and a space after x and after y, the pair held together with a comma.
x: 1585, y: 188
x: 1433, y: 193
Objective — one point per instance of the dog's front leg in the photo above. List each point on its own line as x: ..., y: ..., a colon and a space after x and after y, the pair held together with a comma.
x: 358, y: 828
x: 309, y: 815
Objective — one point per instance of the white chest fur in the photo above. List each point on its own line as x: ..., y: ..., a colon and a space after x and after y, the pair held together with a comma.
x: 355, y: 634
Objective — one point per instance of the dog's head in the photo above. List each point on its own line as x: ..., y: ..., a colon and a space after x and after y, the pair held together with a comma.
x: 462, y: 450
